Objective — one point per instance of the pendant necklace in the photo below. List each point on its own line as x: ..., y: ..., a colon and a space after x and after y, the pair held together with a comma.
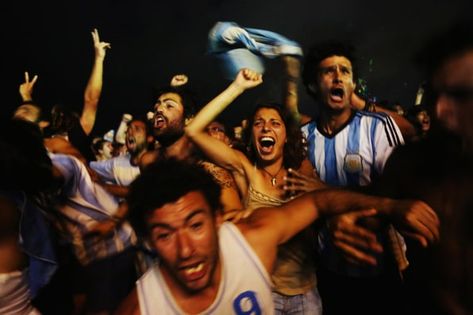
x: 273, y: 177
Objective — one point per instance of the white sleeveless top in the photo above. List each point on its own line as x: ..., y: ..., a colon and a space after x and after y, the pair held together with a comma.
x: 245, y: 286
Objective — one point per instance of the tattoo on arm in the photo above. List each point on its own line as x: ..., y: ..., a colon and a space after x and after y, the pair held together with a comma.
x: 221, y: 176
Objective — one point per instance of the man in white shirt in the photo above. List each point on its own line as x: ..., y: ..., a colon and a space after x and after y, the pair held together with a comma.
x: 175, y: 207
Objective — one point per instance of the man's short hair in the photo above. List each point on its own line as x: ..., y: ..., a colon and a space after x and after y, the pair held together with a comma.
x: 318, y: 52
x: 166, y: 181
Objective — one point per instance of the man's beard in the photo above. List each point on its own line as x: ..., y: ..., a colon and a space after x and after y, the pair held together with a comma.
x: 170, y: 136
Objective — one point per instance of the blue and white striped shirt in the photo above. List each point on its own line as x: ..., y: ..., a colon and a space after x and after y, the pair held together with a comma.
x: 352, y: 157
x: 357, y: 153
x: 83, y: 204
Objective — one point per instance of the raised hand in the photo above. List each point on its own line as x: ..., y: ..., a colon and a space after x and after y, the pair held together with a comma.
x: 247, y: 79
x: 100, y: 47
x: 179, y: 79
x: 26, y: 88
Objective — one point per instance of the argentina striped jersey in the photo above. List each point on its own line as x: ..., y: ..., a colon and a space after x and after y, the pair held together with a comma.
x: 83, y: 204
x: 355, y: 154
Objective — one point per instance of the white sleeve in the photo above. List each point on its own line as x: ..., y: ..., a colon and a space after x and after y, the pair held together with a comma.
x: 104, y: 169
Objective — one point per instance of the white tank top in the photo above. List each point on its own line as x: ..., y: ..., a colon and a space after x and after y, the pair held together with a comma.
x: 245, y: 286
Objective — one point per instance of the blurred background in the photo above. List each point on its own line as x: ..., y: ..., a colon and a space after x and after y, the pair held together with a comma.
x: 153, y: 40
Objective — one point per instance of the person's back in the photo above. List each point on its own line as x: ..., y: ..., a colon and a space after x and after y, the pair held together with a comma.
x: 82, y: 203
x: 102, y: 240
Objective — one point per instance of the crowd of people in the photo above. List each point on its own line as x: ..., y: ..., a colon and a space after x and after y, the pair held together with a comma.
x: 363, y: 208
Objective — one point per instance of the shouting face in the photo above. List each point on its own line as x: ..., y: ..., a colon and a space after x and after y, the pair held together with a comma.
x: 268, y: 134
x: 335, y: 82
x: 136, y: 137
x: 184, y: 234
x: 169, y: 116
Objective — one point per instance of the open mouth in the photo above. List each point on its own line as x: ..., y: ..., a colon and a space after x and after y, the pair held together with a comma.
x: 266, y: 144
x: 336, y: 94
x: 159, y: 121
x: 130, y: 141
x: 193, y: 272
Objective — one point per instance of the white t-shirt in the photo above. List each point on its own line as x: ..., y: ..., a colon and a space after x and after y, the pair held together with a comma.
x: 245, y: 286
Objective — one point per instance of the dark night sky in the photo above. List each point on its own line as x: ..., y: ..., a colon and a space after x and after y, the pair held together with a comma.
x: 152, y: 40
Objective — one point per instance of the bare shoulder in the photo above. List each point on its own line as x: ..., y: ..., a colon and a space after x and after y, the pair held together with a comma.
x: 55, y: 144
x: 130, y: 305
x: 148, y: 158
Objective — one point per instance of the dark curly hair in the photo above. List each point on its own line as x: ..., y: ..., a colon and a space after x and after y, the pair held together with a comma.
x: 189, y: 99
x: 166, y: 181
x: 294, y: 151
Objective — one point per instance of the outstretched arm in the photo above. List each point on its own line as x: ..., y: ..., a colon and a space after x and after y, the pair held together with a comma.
x: 217, y: 151
x: 269, y: 227
x: 62, y: 146
x: 93, y: 89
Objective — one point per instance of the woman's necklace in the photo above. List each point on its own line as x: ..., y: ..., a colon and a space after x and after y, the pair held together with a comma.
x: 273, y: 177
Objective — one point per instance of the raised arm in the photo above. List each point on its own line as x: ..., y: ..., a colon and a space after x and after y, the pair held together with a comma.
x: 179, y: 80
x: 291, y: 65
x: 217, y: 151
x: 93, y: 89
x: 62, y: 146
x: 27, y: 87
x: 29, y: 110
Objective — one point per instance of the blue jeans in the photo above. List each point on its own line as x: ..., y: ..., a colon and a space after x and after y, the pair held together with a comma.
x: 307, y: 303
